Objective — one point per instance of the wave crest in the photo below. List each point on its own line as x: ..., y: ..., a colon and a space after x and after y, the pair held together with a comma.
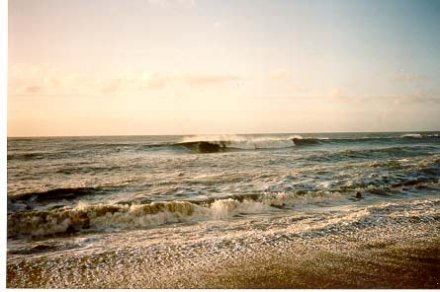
x: 102, y: 216
x: 208, y: 144
x: 414, y: 135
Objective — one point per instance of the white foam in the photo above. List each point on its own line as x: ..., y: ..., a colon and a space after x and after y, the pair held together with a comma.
x: 168, y: 257
x: 211, y: 138
x: 411, y: 136
x: 240, y: 142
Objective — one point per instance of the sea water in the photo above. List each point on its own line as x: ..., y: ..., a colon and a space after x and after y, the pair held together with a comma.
x: 157, y: 194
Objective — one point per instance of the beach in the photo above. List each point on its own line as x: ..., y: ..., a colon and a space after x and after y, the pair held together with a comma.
x: 378, y: 247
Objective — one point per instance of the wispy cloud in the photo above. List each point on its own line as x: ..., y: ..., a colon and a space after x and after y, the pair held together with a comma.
x: 45, y: 81
x: 338, y: 94
x: 161, y: 81
x: 210, y: 80
x: 416, y: 97
x: 409, y: 77
x: 32, y: 89
x: 280, y: 74
x: 114, y: 85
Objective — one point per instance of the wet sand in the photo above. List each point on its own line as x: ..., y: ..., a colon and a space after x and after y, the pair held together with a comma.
x: 393, y: 247
x: 385, y: 263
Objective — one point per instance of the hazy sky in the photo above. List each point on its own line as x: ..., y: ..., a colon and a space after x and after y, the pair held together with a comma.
x: 102, y: 67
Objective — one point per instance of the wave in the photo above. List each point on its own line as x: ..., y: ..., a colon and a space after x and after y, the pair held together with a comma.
x: 99, y: 217
x: 210, y: 144
x: 26, y: 156
x: 222, y: 143
x: 146, y: 213
x: 414, y: 135
x: 372, y: 153
x: 213, y: 144
x: 57, y: 194
x: 205, y: 146
x: 406, y: 138
x: 309, y: 141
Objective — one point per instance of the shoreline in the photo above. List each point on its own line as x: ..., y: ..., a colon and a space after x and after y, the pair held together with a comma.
x: 387, y: 246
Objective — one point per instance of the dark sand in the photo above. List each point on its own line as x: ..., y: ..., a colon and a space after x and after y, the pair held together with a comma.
x: 373, y: 264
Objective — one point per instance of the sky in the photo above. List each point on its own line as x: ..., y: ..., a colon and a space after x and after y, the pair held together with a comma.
x: 140, y: 67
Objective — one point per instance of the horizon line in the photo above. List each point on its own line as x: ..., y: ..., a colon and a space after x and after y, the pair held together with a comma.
x: 206, y: 134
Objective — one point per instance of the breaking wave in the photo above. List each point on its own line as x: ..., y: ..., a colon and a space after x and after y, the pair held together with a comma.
x: 223, y: 143
x: 415, y: 135
x: 211, y: 144
x: 228, y: 143
x: 99, y: 217
x: 145, y: 213
x: 298, y: 141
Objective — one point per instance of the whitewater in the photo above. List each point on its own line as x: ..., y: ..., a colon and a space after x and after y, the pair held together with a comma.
x: 175, y: 211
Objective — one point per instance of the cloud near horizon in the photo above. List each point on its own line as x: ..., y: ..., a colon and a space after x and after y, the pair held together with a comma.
x: 41, y: 81
x: 414, y: 97
x: 411, y: 97
x: 417, y: 97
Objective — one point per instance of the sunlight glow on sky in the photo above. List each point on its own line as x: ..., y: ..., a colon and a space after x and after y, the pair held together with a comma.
x: 114, y: 67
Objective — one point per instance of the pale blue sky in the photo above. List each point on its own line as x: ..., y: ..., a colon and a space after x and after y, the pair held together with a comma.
x: 88, y: 67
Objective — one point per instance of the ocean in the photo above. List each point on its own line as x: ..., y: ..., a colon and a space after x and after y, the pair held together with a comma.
x: 152, y: 208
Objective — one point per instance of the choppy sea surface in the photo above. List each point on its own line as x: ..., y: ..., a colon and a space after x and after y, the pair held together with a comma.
x: 77, y: 194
